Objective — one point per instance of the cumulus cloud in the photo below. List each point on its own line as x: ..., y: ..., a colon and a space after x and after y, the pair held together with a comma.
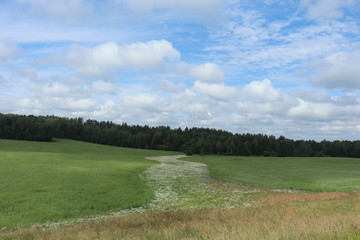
x: 64, y: 10
x: 260, y: 100
x: 105, y: 58
x: 326, y: 111
x: 208, y: 72
x: 191, y: 106
x: 261, y: 91
x: 8, y: 50
x: 320, y: 9
x: 218, y: 91
x: 311, y: 111
x: 339, y: 71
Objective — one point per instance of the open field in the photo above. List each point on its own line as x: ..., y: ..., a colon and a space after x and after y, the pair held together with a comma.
x: 51, y: 181
x: 179, y: 199
x: 310, y: 174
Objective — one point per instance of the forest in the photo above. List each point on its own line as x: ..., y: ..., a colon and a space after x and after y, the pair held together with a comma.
x: 203, y: 141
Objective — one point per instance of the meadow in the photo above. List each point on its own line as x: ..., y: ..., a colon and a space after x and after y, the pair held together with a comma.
x: 198, y: 197
x: 301, y: 173
x: 64, y: 179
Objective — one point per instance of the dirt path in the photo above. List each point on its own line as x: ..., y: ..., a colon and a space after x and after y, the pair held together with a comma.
x: 187, y: 185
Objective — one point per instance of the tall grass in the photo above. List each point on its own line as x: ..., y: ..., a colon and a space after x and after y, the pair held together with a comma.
x: 287, y: 216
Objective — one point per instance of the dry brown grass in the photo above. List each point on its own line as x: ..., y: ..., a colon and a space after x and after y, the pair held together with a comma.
x: 282, y: 216
x: 298, y: 197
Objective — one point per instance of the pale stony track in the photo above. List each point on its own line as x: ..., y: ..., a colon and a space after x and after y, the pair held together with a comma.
x: 187, y: 185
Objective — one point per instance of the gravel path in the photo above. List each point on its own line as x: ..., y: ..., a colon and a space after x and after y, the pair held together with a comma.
x: 187, y: 185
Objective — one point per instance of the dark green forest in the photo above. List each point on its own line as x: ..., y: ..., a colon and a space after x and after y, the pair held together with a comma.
x: 189, y: 140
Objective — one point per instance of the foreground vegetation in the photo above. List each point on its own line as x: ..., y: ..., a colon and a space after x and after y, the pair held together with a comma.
x: 311, y: 174
x: 191, y: 141
x: 45, y: 182
x: 327, y: 216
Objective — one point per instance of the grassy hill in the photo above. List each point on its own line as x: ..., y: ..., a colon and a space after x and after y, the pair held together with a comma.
x: 51, y: 181
x: 311, y: 174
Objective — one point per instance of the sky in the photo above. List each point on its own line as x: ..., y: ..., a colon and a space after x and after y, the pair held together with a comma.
x: 275, y: 67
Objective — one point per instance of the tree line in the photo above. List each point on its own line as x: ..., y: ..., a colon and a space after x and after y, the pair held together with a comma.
x: 189, y: 140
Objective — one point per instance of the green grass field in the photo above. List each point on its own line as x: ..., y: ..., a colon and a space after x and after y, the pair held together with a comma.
x: 311, y: 174
x: 64, y: 179
x: 51, y: 181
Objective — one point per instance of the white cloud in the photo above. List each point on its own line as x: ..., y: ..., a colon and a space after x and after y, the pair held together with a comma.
x: 58, y: 89
x: 252, y: 41
x: 320, y: 9
x: 57, y: 104
x: 326, y: 112
x: 260, y: 100
x: 260, y: 91
x: 197, y: 110
x: 255, y: 43
x: 263, y: 110
x: 64, y: 10
x: 339, y: 71
x: 191, y: 106
x: 109, y: 110
x: 8, y: 50
x: 28, y: 103
x: 103, y: 87
x: 288, y: 53
x: 146, y: 102
x: 311, y: 111
x: 311, y: 96
x: 218, y: 91
x: 75, y: 104
x: 55, y: 90
x: 170, y: 86
x: 208, y: 72
x: 105, y: 58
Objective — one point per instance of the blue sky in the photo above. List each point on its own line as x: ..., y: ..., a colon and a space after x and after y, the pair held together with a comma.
x: 278, y: 67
